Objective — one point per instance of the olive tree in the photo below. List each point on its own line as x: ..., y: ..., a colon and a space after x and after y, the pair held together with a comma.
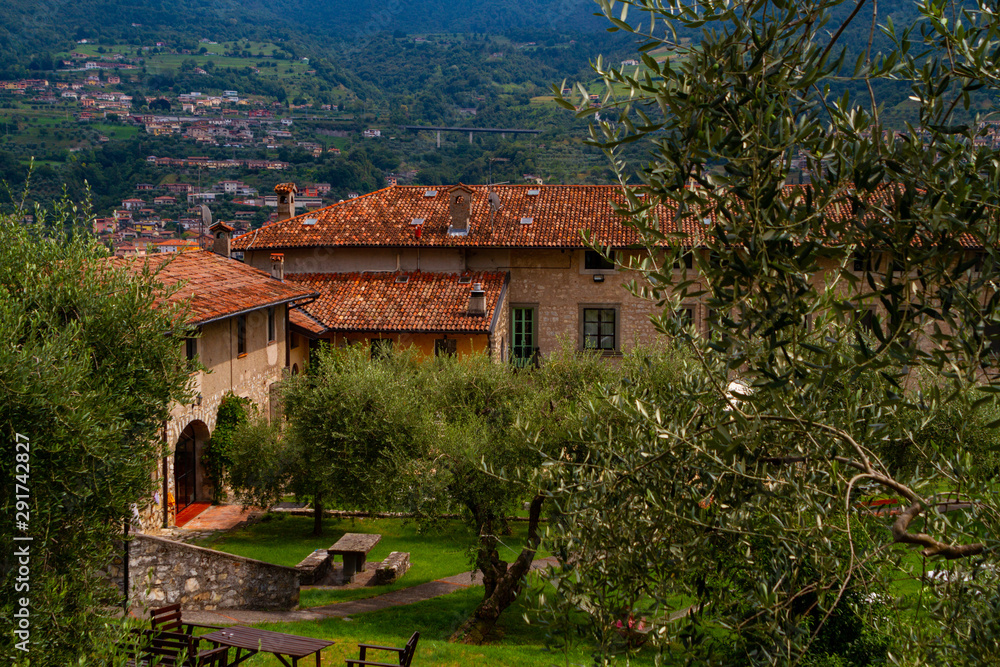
x: 88, y: 371
x: 846, y: 271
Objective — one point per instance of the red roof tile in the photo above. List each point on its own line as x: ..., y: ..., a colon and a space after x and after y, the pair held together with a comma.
x: 426, y: 302
x: 557, y: 213
x: 217, y: 287
x: 384, y: 217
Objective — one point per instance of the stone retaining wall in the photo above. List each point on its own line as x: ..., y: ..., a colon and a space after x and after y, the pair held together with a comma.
x: 164, y: 572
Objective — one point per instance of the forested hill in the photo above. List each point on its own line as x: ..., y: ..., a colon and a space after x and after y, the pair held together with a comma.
x: 30, y: 30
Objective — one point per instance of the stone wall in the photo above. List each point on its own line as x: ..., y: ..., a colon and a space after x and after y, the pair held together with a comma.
x: 164, y: 572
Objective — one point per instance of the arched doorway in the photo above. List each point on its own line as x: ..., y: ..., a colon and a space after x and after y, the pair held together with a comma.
x: 189, y: 474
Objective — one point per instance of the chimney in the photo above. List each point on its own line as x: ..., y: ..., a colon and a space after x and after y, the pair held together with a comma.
x: 460, y: 203
x: 286, y: 200
x: 391, y: 180
x: 477, y: 301
x: 223, y: 236
x: 278, y: 266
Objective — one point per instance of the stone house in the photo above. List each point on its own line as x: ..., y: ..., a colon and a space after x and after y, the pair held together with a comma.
x: 502, y: 269
x: 241, y: 316
x: 400, y: 266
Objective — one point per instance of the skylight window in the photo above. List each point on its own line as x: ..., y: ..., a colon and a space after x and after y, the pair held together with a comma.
x: 310, y: 221
x: 417, y: 221
x: 430, y: 193
x: 464, y: 280
x: 402, y: 280
x: 527, y: 221
x: 534, y: 193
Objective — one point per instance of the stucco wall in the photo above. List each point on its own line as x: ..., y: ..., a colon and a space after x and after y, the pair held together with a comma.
x: 164, y: 572
x: 250, y: 375
x: 424, y: 343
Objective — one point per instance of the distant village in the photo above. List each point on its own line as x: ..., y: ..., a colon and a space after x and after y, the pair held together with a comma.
x: 215, y: 120
x: 168, y: 218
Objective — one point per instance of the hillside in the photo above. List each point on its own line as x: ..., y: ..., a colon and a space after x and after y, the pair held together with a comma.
x: 30, y: 33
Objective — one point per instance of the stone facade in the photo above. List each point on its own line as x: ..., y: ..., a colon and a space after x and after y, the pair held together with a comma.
x: 553, y: 281
x: 166, y: 572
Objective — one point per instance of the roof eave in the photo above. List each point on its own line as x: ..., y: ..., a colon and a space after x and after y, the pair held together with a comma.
x: 235, y: 313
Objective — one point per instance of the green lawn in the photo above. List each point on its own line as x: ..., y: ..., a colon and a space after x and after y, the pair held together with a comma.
x: 435, y: 552
x: 519, y: 644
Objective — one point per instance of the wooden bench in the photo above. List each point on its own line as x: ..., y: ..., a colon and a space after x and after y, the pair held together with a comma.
x: 314, y: 567
x: 405, y: 653
x: 354, y: 547
x: 174, y: 649
x: 168, y: 619
x: 393, y: 567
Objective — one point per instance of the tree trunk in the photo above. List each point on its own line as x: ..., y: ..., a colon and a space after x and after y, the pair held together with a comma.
x: 503, y: 583
x: 318, y: 514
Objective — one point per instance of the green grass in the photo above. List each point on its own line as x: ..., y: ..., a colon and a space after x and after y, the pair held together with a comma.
x: 518, y: 644
x: 439, y: 551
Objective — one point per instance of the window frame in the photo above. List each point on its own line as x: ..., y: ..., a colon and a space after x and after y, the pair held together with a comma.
x: 272, y: 325
x: 685, y: 261
x: 533, y: 307
x: 608, y: 266
x: 191, y: 348
x: 616, y: 336
x: 448, y: 345
x: 241, y: 336
x: 688, y: 314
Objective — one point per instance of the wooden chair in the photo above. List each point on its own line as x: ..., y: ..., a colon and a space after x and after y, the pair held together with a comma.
x: 168, y: 619
x: 405, y: 654
x: 148, y: 648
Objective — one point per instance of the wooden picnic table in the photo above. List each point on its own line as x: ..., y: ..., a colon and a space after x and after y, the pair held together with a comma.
x: 354, y: 547
x: 255, y: 641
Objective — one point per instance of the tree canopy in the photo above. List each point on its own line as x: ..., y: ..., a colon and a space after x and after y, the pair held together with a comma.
x: 87, y: 373
x: 849, y: 319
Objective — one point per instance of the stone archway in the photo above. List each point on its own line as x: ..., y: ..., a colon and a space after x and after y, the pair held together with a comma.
x: 191, y: 484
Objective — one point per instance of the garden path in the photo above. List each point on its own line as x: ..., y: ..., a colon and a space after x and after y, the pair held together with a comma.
x: 403, y: 596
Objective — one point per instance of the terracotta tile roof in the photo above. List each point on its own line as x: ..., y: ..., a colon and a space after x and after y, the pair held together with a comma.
x: 530, y: 216
x: 426, y: 302
x: 558, y: 213
x: 285, y: 187
x: 217, y: 287
x: 301, y: 319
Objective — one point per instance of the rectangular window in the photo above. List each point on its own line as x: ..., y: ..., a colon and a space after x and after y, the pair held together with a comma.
x: 272, y: 328
x: 978, y: 261
x: 293, y: 340
x: 863, y: 262
x: 523, y: 335
x: 191, y: 348
x: 685, y: 315
x: 445, y: 347
x: 241, y: 335
x: 868, y: 320
x: 686, y: 260
x: 599, y: 329
x: 595, y: 261
x: 381, y: 348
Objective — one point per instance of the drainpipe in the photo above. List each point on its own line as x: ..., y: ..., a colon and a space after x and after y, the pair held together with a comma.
x: 166, y: 511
